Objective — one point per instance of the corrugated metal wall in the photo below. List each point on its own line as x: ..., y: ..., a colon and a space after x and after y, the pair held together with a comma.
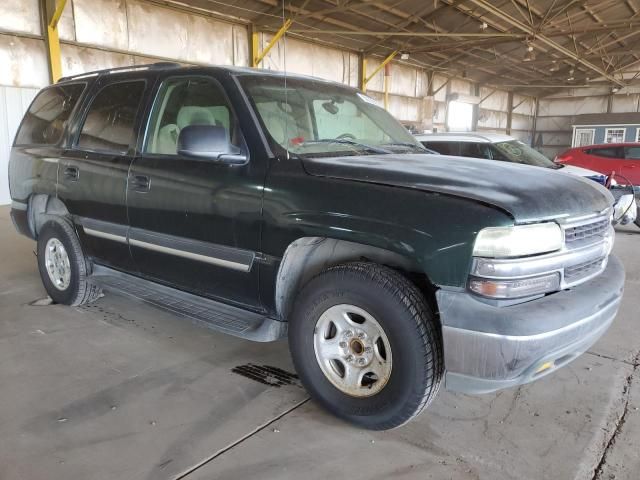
x: 14, y: 101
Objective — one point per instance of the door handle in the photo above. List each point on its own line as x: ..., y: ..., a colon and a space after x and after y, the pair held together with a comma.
x: 72, y: 173
x: 139, y: 182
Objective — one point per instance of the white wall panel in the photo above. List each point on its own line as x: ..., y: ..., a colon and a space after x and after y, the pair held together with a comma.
x: 20, y: 16
x: 572, y: 106
x: 626, y: 103
x: 495, y: 99
x: 13, y: 103
x: 23, y: 62
x: 101, y: 22
x: 77, y: 60
x: 492, y: 119
x: 438, y: 84
x: 308, y: 59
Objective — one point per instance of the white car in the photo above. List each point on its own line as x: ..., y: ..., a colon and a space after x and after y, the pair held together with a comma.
x: 494, y: 146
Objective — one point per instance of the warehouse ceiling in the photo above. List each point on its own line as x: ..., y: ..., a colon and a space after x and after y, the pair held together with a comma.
x: 537, y: 45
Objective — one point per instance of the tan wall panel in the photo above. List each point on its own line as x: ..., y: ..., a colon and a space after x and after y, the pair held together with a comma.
x: 101, y: 22
x: 24, y: 62
x: 76, y: 60
x: 20, y: 16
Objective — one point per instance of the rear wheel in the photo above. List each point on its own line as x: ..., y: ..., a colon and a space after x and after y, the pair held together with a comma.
x: 62, y: 264
x: 366, y: 345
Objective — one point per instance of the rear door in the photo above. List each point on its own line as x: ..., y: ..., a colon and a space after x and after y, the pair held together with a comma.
x: 92, y: 176
x: 631, y: 168
x: 195, y: 224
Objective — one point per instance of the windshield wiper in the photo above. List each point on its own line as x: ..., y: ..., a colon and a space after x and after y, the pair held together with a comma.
x: 404, y: 144
x: 344, y: 141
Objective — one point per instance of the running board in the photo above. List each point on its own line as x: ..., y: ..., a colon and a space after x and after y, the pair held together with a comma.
x: 203, y: 311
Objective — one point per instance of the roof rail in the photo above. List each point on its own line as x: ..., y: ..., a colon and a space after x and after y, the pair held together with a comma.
x: 130, y: 68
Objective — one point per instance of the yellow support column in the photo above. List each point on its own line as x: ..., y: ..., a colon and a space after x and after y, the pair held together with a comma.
x: 362, y: 71
x: 387, y: 80
x: 259, y: 56
x: 53, y: 11
x: 367, y: 79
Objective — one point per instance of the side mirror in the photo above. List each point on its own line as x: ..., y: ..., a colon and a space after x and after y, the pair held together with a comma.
x: 209, y: 143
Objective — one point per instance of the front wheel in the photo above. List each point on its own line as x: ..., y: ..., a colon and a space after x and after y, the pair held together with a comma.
x: 366, y: 345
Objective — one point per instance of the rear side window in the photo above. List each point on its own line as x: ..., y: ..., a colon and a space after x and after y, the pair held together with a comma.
x: 110, y: 121
x: 443, y: 148
x: 632, y: 153
x: 607, y: 152
x: 48, y: 115
x: 475, y: 150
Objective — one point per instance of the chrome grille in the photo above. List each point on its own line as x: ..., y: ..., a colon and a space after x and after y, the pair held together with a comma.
x: 586, y: 233
x: 582, y: 270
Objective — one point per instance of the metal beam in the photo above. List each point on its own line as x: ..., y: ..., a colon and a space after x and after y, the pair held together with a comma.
x: 544, y: 39
x: 259, y: 56
x: 367, y: 79
x: 409, y: 34
x: 51, y: 11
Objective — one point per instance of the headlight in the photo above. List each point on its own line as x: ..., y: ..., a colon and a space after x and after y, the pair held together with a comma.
x: 518, y: 241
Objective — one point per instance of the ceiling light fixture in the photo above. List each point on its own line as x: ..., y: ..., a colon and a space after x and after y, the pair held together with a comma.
x: 404, y: 56
x: 529, y: 55
x: 554, y: 66
x: 484, y: 26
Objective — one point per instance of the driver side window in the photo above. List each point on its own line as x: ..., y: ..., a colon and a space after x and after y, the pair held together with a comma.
x: 182, y: 102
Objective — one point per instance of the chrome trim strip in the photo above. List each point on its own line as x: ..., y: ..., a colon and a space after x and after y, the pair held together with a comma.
x: 105, y: 235
x: 191, y: 256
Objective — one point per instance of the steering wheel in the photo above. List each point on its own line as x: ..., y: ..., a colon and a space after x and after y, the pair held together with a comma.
x: 346, y: 136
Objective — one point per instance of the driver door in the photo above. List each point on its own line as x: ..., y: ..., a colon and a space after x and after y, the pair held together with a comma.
x: 195, y: 224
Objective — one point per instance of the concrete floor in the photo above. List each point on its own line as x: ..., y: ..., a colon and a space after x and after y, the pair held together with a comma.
x: 120, y: 390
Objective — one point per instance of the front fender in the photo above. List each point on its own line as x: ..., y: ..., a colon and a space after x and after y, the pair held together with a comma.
x: 434, y: 232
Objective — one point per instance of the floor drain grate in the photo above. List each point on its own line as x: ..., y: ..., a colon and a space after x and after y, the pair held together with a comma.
x: 267, y: 375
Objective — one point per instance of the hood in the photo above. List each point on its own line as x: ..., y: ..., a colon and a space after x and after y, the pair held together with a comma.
x: 581, y: 172
x: 527, y: 193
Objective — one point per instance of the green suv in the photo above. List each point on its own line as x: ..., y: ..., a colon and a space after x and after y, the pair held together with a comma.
x: 269, y: 206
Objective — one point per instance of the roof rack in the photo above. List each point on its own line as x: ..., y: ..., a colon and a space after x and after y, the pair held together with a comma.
x: 131, y: 68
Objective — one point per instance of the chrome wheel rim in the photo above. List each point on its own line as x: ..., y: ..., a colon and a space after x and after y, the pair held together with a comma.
x: 56, y: 260
x: 352, y: 350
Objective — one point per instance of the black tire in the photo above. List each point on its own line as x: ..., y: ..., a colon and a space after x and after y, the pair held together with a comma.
x: 637, y: 220
x: 413, y: 332
x: 79, y: 291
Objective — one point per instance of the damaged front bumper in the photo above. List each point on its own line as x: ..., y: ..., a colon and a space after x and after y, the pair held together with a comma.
x: 488, y: 348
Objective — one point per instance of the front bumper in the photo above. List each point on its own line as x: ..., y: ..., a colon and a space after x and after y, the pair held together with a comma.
x: 488, y: 348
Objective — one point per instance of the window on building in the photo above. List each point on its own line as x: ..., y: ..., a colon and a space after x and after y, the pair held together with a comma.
x: 583, y: 137
x: 638, y: 135
x: 47, y: 116
x: 109, y: 124
x: 614, y: 135
x: 460, y: 117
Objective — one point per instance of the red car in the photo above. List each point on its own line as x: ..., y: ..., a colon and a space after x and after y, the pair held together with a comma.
x: 622, y: 158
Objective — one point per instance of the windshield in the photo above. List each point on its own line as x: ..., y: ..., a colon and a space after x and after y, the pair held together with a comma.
x: 518, y: 152
x: 316, y: 118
